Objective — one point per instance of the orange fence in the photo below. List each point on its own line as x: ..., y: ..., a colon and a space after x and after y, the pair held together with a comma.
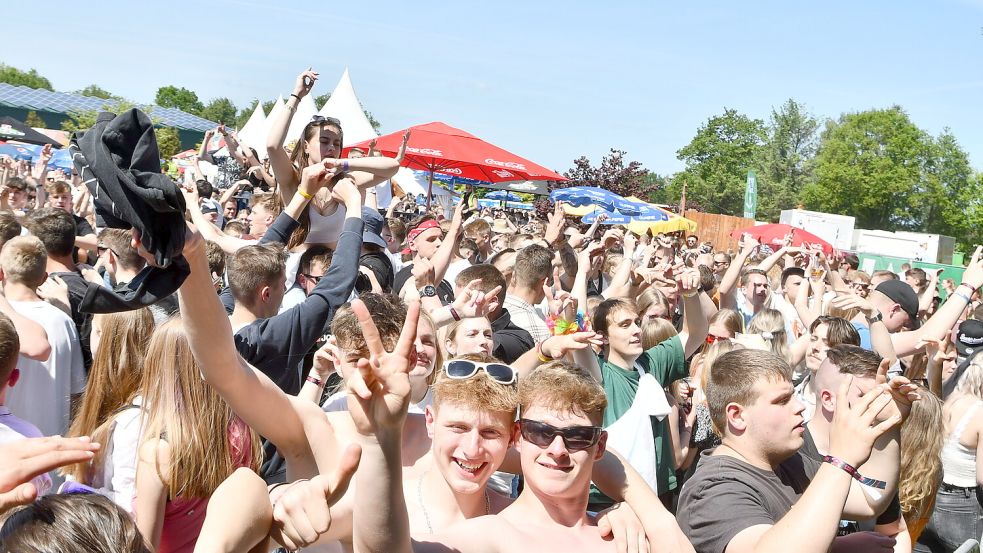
x: 716, y: 228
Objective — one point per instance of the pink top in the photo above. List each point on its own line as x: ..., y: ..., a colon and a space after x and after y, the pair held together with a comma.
x: 184, y: 517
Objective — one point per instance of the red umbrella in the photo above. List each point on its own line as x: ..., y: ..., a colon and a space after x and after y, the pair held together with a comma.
x: 440, y: 148
x: 774, y: 235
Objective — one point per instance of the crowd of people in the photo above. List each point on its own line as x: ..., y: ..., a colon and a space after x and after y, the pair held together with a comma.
x: 292, y: 353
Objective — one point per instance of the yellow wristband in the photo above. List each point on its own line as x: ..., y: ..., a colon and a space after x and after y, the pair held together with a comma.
x: 305, y: 195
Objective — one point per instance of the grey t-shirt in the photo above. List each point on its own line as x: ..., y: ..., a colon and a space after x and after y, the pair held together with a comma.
x: 727, y: 495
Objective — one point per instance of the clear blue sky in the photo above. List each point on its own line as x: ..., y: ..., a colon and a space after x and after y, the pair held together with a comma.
x: 547, y: 80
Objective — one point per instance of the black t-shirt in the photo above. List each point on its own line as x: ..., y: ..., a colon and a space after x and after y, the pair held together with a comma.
x: 444, y: 290
x: 82, y: 226
x: 509, y: 341
x: 891, y: 514
x: 727, y: 495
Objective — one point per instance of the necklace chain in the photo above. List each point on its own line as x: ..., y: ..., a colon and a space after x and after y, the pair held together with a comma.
x: 423, y: 506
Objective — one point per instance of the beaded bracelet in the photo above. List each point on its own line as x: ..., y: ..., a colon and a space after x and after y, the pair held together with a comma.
x: 852, y: 471
x: 313, y: 380
x: 559, y: 326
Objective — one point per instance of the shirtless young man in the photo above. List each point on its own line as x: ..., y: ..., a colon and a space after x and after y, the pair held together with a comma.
x: 559, y: 441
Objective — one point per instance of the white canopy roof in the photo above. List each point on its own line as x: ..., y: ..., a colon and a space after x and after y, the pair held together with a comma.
x: 305, y: 110
x: 253, y: 133
x: 414, y: 182
x: 278, y: 106
x: 344, y: 105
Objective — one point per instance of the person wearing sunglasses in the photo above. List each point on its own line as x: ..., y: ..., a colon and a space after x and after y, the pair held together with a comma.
x: 559, y: 442
x: 320, y: 142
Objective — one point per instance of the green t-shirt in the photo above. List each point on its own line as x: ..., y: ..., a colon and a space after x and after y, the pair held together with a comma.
x: 667, y: 363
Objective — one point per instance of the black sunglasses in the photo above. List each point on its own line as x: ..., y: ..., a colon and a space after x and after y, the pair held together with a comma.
x: 575, y: 438
x: 462, y: 369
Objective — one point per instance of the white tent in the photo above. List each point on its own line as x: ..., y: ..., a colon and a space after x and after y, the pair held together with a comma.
x: 253, y: 133
x: 278, y: 107
x: 344, y: 105
x: 305, y: 110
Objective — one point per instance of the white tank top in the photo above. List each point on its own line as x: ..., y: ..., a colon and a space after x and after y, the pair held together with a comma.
x: 959, y: 461
x: 325, y: 229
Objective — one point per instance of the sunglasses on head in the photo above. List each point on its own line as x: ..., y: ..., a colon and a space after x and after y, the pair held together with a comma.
x: 461, y: 369
x: 322, y: 120
x: 575, y: 438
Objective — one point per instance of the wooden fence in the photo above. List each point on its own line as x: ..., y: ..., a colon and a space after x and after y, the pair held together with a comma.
x: 716, y: 228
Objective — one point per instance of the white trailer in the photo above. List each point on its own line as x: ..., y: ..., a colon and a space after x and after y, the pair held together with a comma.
x: 835, y: 229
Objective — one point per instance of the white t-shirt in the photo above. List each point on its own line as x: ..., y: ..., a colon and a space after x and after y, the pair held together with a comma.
x: 455, y: 269
x: 43, y: 394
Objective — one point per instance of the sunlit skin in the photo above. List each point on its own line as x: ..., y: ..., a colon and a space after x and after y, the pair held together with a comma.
x: 773, y: 422
x: 756, y: 289
x: 473, y: 336
x: 468, y: 444
x: 624, y: 333
x: 426, y: 243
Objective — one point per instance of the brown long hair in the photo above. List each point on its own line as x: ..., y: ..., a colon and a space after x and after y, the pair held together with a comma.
x: 194, y: 420
x: 114, y: 379
x: 300, y: 159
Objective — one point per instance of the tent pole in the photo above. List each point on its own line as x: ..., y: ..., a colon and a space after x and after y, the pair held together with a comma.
x: 429, y: 189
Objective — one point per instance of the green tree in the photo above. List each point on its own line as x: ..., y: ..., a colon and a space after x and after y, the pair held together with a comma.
x: 220, y: 110
x: 97, y: 92
x: 319, y: 101
x: 871, y: 165
x: 614, y: 173
x: 268, y: 106
x: 168, y: 141
x: 33, y: 120
x: 376, y: 125
x: 952, y: 199
x: 717, y: 161
x: 180, y: 98
x: 16, y: 77
x: 245, y: 112
x: 787, y: 158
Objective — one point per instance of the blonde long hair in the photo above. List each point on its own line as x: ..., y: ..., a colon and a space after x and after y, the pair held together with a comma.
x: 183, y: 410
x: 114, y: 379
x: 770, y: 324
x: 922, y: 438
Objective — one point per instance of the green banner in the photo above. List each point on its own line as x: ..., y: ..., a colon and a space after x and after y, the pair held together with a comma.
x: 751, y: 195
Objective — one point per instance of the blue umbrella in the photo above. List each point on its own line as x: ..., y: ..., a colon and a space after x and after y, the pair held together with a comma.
x: 61, y: 159
x: 503, y: 196
x: 578, y: 196
x: 645, y: 213
x: 20, y: 151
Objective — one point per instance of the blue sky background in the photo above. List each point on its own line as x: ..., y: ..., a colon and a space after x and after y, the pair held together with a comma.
x: 547, y: 80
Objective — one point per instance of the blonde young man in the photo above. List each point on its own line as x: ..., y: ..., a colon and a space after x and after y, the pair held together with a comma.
x: 559, y: 441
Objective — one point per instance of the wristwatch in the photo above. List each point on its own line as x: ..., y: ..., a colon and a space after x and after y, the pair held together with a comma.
x: 428, y: 291
x: 878, y: 317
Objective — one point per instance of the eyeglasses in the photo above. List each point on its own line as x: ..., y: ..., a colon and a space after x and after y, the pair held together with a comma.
x: 312, y: 278
x: 721, y: 263
x: 100, y: 249
x: 462, y: 369
x: 711, y: 338
x: 575, y: 438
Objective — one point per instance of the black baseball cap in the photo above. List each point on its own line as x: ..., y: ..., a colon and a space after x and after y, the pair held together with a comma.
x: 904, y: 295
x: 969, y: 337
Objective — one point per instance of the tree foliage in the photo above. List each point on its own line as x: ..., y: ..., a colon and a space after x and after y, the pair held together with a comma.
x: 96, y: 91
x: 717, y: 161
x: 179, y: 98
x: 614, y: 174
x: 34, y: 120
x: 168, y: 141
x: 244, y: 113
x: 16, y: 77
x: 786, y: 163
x: 871, y: 165
x: 321, y: 99
x: 220, y: 110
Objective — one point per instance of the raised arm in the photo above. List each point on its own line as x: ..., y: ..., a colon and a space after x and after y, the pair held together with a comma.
x: 728, y: 283
x: 880, y: 336
x: 445, y: 253
x: 926, y: 297
x: 232, y: 144
x: 906, y: 343
x: 378, y: 396
x: 253, y: 396
x: 695, y: 320
x: 283, y: 169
